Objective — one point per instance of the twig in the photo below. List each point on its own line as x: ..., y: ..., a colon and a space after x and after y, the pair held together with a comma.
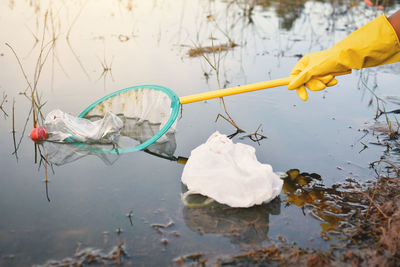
x: 107, y: 68
x: 376, y: 206
x: 13, y: 130
x: 77, y: 59
x: 365, y: 147
x: 2, y: 102
x: 75, y: 20
x: 55, y: 58
x: 234, y: 134
x: 397, y: 169
x: 21, y: 67
x: 46, y: 181
x: 373, y: 196
x: 23, y: 131
x: 215, y: 66
x: 231, y: 122
x: 227, y: 113
x: 256, y: 136
x: 69, y: 43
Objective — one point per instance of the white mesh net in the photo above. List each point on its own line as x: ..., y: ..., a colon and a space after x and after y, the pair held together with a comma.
x: 144, y: 113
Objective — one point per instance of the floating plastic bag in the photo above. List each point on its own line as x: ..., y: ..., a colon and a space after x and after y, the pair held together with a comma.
x: 230, y: 173
x: 62, y: 127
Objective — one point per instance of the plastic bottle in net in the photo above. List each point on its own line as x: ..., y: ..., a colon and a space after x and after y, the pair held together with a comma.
x: 63, y: 127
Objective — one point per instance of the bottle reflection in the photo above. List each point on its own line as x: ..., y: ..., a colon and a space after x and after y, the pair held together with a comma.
x: 59, y: 154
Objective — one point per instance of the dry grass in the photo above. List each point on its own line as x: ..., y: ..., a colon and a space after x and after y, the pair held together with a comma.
x: 201, y: 50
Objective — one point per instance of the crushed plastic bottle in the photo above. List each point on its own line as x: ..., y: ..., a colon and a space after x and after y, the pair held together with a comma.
x: 63, y: 127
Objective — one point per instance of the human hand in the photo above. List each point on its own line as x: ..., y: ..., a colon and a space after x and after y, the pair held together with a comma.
x: 315, y: 71
x: 374, y: 44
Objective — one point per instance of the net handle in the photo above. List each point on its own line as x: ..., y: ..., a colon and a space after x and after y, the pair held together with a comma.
x: 241, y: 89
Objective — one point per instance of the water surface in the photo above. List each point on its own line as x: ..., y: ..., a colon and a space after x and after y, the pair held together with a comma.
x: 93, y: 48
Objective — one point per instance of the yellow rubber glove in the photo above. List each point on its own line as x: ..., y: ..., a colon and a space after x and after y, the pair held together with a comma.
x: 374, y: 44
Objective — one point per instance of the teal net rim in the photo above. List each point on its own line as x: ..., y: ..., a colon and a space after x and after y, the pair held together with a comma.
x: 175, y: 106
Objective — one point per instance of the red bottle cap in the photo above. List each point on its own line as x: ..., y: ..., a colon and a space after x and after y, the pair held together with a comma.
x: 39, y: 133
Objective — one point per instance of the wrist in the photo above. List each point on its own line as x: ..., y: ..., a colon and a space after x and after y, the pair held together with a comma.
x: 395, y: 22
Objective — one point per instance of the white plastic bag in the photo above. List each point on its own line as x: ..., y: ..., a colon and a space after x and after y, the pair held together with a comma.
x: 230, y: 173
x: 64, y: 127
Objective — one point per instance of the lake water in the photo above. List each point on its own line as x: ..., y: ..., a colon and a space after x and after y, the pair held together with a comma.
x: 92, y: 48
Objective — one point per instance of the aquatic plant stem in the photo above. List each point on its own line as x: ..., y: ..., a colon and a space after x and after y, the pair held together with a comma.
x: 376, y: 206
x: 2, y: 102
x: 20, y: 65
x: 13, y: 130
x: 46, y: 181
x: 215, y: 67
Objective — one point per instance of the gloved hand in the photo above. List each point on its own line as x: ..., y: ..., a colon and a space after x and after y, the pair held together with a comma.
x: 374, y: 44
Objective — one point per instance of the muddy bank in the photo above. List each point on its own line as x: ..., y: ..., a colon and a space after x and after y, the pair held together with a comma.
x: 370, y: 233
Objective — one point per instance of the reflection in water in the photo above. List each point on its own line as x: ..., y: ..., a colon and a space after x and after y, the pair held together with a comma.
x: 63, y: 153
x: 258, y: 41
x: 249, y: 226
x: 91, y: 256
x: 387, y: 132
x: 58, y: 154
x: 288, y: 11
x: 332, y: 206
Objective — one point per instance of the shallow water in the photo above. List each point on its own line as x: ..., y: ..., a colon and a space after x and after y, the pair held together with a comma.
x: 116, y: 44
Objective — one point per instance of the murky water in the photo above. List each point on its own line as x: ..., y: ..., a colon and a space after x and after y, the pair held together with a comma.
x: 92, y: 48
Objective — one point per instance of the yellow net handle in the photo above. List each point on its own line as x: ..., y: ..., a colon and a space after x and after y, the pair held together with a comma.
x: 241, y: 89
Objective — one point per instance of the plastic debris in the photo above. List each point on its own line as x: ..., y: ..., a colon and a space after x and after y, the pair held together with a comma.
x: 63, y: 127
x: 39, y: 133
x: 230, y: 173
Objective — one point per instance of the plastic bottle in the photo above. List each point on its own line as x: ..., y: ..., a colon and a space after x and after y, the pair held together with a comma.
x: 63, y: 127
